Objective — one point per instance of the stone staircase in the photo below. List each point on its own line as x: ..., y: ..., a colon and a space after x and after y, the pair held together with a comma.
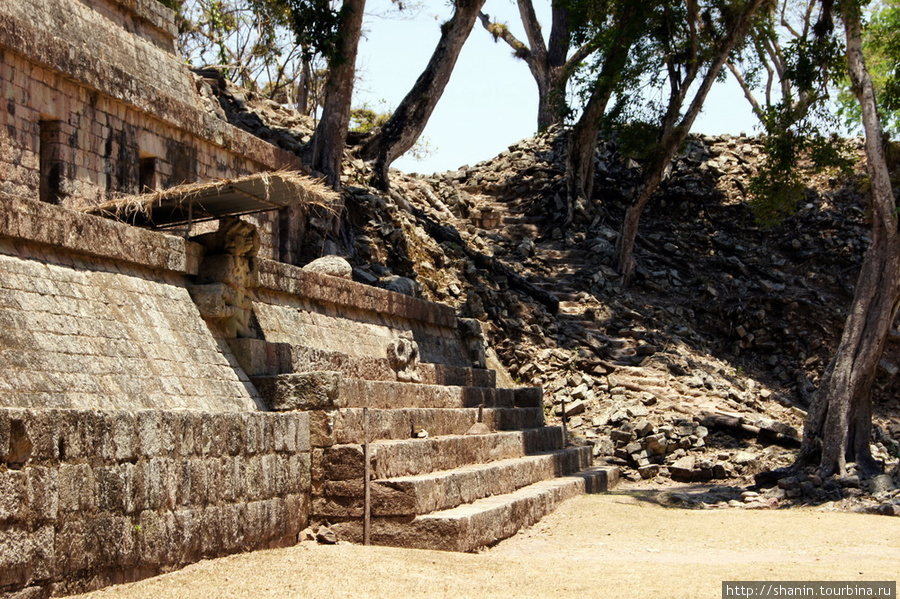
x: 562, y: 270
x: 456, y: 462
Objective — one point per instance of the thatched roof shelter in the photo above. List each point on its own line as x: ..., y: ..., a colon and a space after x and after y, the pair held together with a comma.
x: 208, y: 200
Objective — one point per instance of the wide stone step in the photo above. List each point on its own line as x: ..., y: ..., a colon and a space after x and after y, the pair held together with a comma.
x: 390, y: 459
x: 445, y: 490
x: 524, y: 220
x: 261, y: 358
x: 331, y: 390
x: 425, y: 493
x: 559, y: 290
x: 484, y: 522
x: 347, y: 425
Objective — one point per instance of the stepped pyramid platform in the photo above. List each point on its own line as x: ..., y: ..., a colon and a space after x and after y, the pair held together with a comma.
x: 455, y: 462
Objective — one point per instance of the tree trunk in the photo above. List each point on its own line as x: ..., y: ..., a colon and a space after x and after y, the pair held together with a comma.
x: 548, y: 61
x: 671, y: 139
x: 582, y: 143
x: 304, y: 82
x: 550, y: 64
x: 405, y: 126
x: 839, y: 424
x: 583, y: 138
x: 326, y: 148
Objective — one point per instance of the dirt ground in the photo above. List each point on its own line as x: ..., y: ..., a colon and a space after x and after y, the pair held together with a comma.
x: 619, y: 545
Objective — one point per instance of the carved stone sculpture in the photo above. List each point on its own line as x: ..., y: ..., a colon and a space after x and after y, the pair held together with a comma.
x: 472, y: 336
x: 403, y: 356
x: 228, y: 276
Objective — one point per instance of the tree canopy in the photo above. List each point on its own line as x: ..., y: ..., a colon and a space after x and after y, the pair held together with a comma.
x: 881, y: 48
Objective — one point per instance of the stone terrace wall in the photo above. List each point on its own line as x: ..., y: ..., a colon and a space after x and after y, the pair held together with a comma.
x: 332, y: 314
x: 95, y: 102
x: 90, y: 498
x: 130, y: 442
x: 87, y: 331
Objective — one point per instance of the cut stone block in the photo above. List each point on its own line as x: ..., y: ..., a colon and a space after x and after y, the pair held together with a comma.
x: 301, y: 391
x: 474, y: 525
x: 330, y: 389
x: 347, y: 424
x: 417, y: 456
x: 424, y: 493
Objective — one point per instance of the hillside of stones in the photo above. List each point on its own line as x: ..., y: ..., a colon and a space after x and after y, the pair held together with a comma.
x: 701, y: 369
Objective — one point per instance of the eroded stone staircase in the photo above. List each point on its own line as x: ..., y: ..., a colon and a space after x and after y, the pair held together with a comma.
x: 439, y: 479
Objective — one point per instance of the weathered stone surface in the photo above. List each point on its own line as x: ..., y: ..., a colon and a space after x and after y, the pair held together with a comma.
x: 403, y: 357
x: 575, y: 407
x: 447, y: 489
x: 347, y: 425
x: 259, y: 357
x: 326, y: 536
x: 402, y: 285
x: 683, y: 468
x: 81, y: 522
x: 302, y: 390
x: 393, y: 458
x: 472, y: 335
x: 468, y: 527
x: 333, y: 266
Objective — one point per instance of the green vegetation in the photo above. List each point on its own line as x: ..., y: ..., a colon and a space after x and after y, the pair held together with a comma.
x: 881, y: 46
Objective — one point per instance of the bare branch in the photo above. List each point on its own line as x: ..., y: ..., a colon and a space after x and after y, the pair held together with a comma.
x: 748, y: 93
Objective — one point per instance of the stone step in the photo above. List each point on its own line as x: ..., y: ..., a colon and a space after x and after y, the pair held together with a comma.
x: 425, y: 493
x: 560, y: 290
x: 261, y: 358
x: 524, y: 220
x: 346, y: 426
x: 482, y: 523
x: 408, y: 457
x: 331, y: 390
x: 521, y: 231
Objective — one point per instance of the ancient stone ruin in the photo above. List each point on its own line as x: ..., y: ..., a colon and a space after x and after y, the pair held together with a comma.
x: 182, y: 389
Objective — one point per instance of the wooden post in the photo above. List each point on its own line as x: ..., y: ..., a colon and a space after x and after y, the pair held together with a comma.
x: 367, y: 498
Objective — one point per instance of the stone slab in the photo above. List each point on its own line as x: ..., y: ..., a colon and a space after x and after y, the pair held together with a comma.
x: 347, y: 424
x: 330, y: 390
x: 286, y: 278
x: 421, y: 494
x: 471, y: 526
x: 391, y: 459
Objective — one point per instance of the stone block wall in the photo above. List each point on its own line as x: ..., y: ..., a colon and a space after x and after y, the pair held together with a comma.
x: 131, y: 442
x: 86, y: 330
x: 95, y: 103
x: 328, y: 313
x: 94, y: 497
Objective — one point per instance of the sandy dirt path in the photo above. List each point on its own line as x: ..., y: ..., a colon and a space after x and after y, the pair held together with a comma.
x: 610, y: 546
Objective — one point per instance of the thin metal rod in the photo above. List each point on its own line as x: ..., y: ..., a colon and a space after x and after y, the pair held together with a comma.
x: 367, y: 498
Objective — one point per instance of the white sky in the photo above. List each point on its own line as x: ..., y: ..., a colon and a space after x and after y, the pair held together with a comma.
x: 491, y: 100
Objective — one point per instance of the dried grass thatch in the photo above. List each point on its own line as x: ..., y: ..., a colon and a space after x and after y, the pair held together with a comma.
x: 206, y: 200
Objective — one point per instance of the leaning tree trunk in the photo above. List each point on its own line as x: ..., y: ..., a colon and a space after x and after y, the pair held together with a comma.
x: 583, y: 138
x: 582, y: 143
x: 670, y: 140
x: 839, y: 424
x: 326, y: 148
x: 405, y: 126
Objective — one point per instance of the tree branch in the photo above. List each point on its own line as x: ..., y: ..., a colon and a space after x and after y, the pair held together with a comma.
x: 748, y: 93
x: 501, y: 32
x: 533, y: 31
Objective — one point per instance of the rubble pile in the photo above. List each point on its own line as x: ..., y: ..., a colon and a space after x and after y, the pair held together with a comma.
x: 701, y: 369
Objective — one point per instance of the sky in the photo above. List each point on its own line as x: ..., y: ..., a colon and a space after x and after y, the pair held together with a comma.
x: 490, y: 102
